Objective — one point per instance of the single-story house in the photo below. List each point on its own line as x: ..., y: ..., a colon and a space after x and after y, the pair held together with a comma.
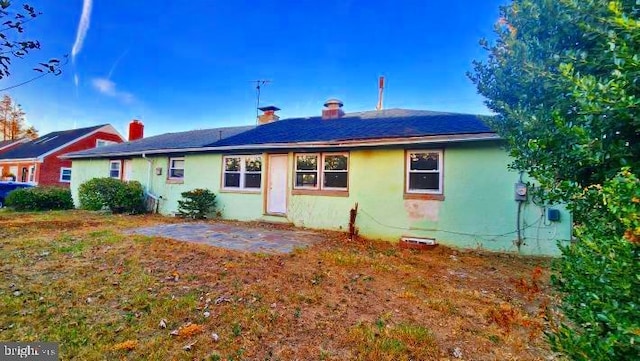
x: 37, y: 161
x: 420, y: 176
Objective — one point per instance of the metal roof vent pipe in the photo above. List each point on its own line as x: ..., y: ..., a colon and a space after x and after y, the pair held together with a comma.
x: 268, y: 115
x: 332, y: 109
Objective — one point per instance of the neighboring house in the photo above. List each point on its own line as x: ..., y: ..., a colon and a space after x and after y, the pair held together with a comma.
x: 419, y: 175
x: 37, y: 161
x: 5, y: 146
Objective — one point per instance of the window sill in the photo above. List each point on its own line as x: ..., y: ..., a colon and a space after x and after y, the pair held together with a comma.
x: 424, y: 196
x: 175, y: 181
x: 241, y: 191
x: 319, y: 192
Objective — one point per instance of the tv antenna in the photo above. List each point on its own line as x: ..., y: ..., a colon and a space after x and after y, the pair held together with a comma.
x: 259, y: 84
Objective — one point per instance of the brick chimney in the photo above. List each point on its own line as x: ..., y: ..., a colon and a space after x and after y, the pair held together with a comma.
x: 332, y: 109
x: 136, y: 130
x: 268, y: 115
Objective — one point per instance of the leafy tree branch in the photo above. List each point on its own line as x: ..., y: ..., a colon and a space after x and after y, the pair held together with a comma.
x: 10, y: 49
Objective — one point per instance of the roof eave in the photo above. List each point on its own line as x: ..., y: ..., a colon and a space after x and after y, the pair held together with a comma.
x: 448, y: 138
x: 21, y: 160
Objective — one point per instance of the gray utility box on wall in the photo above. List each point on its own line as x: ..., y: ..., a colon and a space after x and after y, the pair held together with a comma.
x: 520, y: 191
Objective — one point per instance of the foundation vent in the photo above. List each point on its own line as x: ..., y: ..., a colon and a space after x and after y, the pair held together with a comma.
x: 419, y: 241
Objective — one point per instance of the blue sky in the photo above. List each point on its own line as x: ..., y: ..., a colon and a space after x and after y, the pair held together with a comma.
x: 181, y: 65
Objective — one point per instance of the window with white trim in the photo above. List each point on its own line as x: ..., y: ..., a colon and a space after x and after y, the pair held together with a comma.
x: 115, y: 169
x: 424, y: 172
x: 65, y: 175
x: 307, y: 173
x: 242, y: 172
x: 329, y: 171
x: 176, y: 168
x: 102, y: 142
x: 335, y: 172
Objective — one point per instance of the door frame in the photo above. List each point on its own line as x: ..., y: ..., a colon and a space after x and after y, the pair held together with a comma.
x: 125, y: 163
x: 268, y: 181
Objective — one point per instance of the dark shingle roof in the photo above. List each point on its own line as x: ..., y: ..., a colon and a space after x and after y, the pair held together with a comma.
x: 385, y: 124
x: 391, y: 123
x: 6, y: 145
x: 6, y: 142
x: 168, y: 141
x: 47, y: 143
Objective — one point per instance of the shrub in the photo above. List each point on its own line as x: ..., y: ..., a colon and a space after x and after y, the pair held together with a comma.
x: 112, y: 194
x: 598, y: 276
x: 197, y: 203
x: 39, y: 199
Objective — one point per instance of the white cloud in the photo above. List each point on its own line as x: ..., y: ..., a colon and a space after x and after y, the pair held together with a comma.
x: 83, y: 27
x: 108, y: 88
x: 104, y: 86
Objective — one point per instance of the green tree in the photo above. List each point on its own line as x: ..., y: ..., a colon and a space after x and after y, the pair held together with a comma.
x: 562, y: 77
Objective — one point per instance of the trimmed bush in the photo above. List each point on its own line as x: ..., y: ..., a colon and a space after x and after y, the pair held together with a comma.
x: 197, y: 203
x: 112, y: 194
x: 39, y: 199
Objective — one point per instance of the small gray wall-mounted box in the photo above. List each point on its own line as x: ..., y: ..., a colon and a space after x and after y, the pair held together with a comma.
x: 553, y: 215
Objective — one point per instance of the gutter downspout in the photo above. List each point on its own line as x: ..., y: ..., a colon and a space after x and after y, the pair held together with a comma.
x: 520, y: 239
x: 151, y: 195
x: 149, y: 161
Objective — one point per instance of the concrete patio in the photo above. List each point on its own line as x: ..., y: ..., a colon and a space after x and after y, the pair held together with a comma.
x: 241, y: 238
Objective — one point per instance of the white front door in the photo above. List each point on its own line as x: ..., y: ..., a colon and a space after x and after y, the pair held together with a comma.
x: 126, y: 171
x: 277, y: 184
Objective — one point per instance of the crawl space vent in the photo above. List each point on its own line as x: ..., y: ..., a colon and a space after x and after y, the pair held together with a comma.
x: 419, y: 241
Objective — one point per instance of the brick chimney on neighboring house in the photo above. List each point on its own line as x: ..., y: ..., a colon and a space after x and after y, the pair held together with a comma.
x: 332, y: 109
x: 136, y: 130
x: 268, y: 115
